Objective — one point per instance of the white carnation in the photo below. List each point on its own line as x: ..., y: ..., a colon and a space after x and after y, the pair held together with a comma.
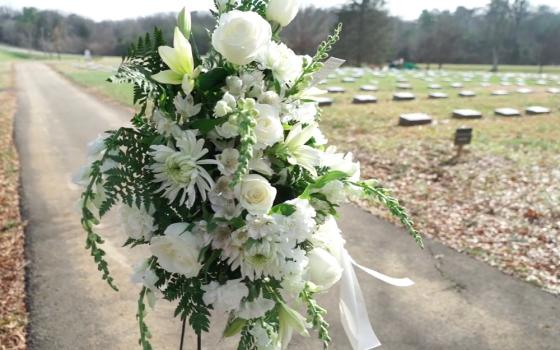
x: 285, y: 65
x: 255, y: 309
x: 226, y: 297
x: 138, y: 223
x: 269, y: 129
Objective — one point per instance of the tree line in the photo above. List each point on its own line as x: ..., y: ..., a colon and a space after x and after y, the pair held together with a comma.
x: 503, y: 32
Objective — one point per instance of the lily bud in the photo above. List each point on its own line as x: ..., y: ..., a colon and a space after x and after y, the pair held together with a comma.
x: 184, y: 22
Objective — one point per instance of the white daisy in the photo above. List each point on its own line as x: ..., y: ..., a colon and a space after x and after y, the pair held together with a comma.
x: 180, y: 170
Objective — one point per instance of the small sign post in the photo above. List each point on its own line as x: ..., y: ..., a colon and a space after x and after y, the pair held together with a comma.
x: 463, y: 136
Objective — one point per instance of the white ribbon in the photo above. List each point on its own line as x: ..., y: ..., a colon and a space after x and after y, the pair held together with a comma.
x: 353, y: 311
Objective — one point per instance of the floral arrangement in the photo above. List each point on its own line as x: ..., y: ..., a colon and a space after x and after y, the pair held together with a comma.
x: 226, y: 177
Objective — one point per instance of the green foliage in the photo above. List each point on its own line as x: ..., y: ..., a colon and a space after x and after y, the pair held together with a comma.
x: 316, y: 62
x: 145, y: 335
x: 382, y: 195
x: 316, y: 314
x: 189, y: 293
x: 247, y: 139
x: 258, y: 6
x: 138, y: 66
x: 247, y: 341
x: 322, y: 182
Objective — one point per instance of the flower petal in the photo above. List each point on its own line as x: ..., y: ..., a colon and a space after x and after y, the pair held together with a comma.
x: 168, y: 77
x: 170, y: 57
x: 183, y: 50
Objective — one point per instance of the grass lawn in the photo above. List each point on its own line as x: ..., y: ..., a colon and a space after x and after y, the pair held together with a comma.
x: 499, y: 202
x: 13, y: 313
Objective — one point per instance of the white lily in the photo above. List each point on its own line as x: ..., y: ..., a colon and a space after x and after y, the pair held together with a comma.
x: 179, y: 59
x: 299, y: 153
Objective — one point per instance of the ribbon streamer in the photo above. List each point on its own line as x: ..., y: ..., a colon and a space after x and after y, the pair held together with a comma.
x: 353, y: 311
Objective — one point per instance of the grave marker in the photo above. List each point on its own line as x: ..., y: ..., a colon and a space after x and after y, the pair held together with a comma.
x: 507, y: 112
x: 364, y: 99
x: 524, y: 91
x: 536, y: 110
x: 368, y: 88
x: 500, y: 93
x: 438, y: 95
x: 463, y: 137
x: 413, y: 119
x: 404, y: 86
x: 466, y: 114
x: 403, y: 96
x: 324, y: 101
x: 336, y: 90
x: 467, y: 93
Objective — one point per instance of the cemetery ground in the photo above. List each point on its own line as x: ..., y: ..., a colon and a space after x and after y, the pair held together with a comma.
x: 467, y: 301
x: 13, y: 314
x: 499, y: 202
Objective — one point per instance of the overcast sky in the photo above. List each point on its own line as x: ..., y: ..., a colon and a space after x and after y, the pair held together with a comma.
x: 119, y: 9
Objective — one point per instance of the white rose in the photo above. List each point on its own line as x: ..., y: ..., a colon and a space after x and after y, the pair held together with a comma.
x: 256, y: 194
x: 269, y: 128
x: 178, y: 250
x: 240, y: 36
x: 323, y: 269
x: 270, y: 98
x: 282, y: 11
x: 138, y: 223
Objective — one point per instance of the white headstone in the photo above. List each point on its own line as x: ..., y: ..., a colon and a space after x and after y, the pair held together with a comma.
x: 368, y: 88
x: 507, y: 112
x: 500, y: 93
x: 524, y: 91
x: 466, y: 114
x: 534, y: 110
x: 363, y: 99
x: 467, y: 93
x: 336, y: 89
x: 413, y: 119
x: 437, y: 95
x: 403, y: 96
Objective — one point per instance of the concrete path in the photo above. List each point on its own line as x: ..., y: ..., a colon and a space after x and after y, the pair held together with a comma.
x: 457, y: 303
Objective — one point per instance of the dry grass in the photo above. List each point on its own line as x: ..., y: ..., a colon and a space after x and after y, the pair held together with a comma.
x: 13, y: 312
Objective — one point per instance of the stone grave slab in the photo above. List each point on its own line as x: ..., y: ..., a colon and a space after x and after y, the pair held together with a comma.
x: 368, y: 88
x: 324, y: 101
x: 437, y: 95
x: 404, y: 86
x: 536, y: 110
x: 403, y: 96
x: 466, y: 114
x: 413, y: 119
x: 467, y: 93
x: 524, y: 91
x: 336, y: 90
x: 553, y: 91
x: 434, y: 87
x: 364, y: 99
x: 500, y: 93
x: 507, y: 112
x: 456, y: 85
x: 349, y: 80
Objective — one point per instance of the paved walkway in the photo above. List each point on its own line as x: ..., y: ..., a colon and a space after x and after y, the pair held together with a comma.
x: 458, y: 303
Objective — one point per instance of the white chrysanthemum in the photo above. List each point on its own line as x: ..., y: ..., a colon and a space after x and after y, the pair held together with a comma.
x: 166, y: 126
x: 186, y: 107
x: 226, y: 297
x: 138, y: 223
x: 180, y: 170
x: 255, y: 309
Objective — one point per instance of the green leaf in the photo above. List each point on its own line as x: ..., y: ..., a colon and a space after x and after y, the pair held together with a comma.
x: 284, y: 209
x: 234, y: 327
x: 212, y: 80
x: 323, y: 181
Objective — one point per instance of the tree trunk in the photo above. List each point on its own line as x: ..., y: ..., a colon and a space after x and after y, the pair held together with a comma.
x: 541, y: 68
x: 495, y: 60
